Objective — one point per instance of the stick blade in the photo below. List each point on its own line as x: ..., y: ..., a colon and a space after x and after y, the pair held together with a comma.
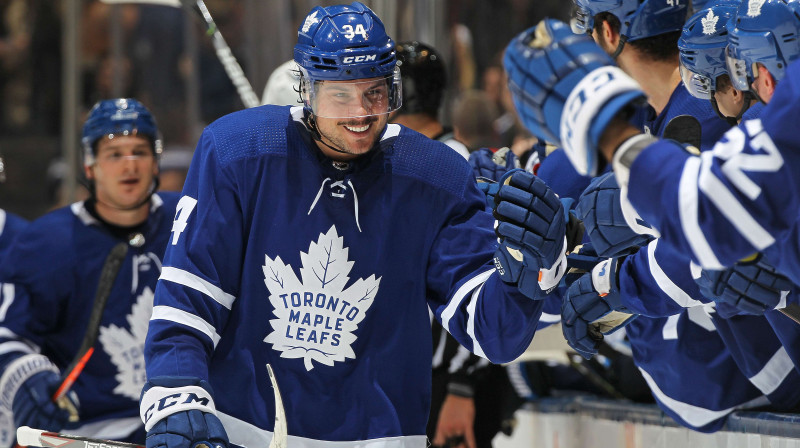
x: 280, y: 434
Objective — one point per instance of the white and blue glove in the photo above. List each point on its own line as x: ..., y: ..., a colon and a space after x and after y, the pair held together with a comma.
x: 566, y: 89
x: 753, y: 286
x: 613, y: 229
x: 531, y: 228
x: 592, y: 308
x: 491, y: 164
x: 28, y: 383
x: 178, y: 412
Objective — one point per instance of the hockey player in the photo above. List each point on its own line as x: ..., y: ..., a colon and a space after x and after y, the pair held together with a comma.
x: 315, y: 239
x: 424, y: 83
x: 539, y: 96
x: 743, y: 199
x: 703, y: 69
x: 10, y: 224
x: 456, y: 371
x: 51, y: 274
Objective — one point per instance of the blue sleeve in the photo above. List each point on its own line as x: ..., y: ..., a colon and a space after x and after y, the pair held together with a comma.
x: 657, y: 281
x: 202, y: 262
x: 559, y: 174
x: 489, y: 317
x: 670, y: 350
x: 732, y: 201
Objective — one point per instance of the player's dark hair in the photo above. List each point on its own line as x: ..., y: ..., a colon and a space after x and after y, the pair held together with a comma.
x: 662, y: 47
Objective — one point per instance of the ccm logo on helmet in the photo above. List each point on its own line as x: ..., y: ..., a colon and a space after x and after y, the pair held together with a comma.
x: 363, y: 58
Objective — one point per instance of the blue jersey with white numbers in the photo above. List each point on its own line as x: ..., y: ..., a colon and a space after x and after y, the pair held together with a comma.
x: 49, y: 279
x: 735, y: 200
x: 10, y: 226
x: 326, y: 270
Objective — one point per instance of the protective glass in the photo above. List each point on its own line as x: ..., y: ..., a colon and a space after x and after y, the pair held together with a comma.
x: 699, y: 86
x: 353, y: 99
x: 738, y: 71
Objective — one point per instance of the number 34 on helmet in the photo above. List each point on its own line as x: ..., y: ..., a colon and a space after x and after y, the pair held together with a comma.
x: 348, y: 65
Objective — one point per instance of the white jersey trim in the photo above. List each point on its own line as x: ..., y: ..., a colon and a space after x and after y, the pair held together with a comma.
x: 695, y: 415
x: 162, y: 312
x: 730, y: 207
x: 2, y: 220
x: 687, y: 197
x: 392, y: 130
x: 473, y: 302
x: 774, y: 372
x: 666, y: 284
x: 460, y: 295
x: 192, y: 281
x: 249, y: 436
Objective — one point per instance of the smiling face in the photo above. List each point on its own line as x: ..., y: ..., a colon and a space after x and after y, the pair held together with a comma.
x: 123, y: 172
x: 350, y: 116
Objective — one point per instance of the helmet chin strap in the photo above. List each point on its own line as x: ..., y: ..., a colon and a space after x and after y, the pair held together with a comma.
x: 317, y: 136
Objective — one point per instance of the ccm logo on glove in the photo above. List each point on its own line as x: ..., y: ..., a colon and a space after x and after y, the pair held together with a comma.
x: 160, y: 402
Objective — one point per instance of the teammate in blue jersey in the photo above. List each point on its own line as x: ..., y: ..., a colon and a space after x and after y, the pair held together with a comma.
x: 10, y: 224
x: 51, y: 274
x: 315, y: 239
x: 746, y: 207
x: 668, y: 295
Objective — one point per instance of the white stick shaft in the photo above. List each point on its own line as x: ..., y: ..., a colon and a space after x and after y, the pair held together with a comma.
x: 280, y: 434
x: 27, y: 436
x: 225, y: 55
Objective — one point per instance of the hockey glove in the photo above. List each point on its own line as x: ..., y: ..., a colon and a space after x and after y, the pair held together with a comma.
x: 492, y: 164
x: 753, y: 286
x: 531, y: 226
x: 178, y: 412
x: 614, y: 230
x: 593, y: 308
x: 566, y: 89
x: 32, y: 380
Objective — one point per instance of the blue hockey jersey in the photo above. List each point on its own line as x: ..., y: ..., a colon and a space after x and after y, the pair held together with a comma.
x: 735, y: 200
x: 326, y: 270
x: 49, y: 279
x: 10, y: 226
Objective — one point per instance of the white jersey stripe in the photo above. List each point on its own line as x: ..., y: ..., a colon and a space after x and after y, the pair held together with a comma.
x: 473, y: 302
x: 729, y: 206
x: 774, y: 372
x: 16, y: 346
x: 695, y: 415
x: 687, y: 197
x: 461, y: 293
x: 171, y: 314
x: 666, y: 284
x: 190, y: 280
x: 245, y: 434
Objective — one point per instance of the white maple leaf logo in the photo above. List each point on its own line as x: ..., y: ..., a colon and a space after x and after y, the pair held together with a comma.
x: 315, y: 318
x: 709, y: 23
x: 310, y: 20
x: 754, y: 7
x: 126, y: 347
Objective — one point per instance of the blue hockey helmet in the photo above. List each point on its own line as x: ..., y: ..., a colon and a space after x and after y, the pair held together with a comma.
x: 120, y: 116
x: 347, y: 44
x: 638, y: 19
x: 765, y: 32
x: 702, y: 48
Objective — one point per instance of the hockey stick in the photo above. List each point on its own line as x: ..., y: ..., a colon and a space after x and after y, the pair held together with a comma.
x: 108, y: 274
x: 224, y: 53
x: 279, y: 432
x: 27, y: 436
